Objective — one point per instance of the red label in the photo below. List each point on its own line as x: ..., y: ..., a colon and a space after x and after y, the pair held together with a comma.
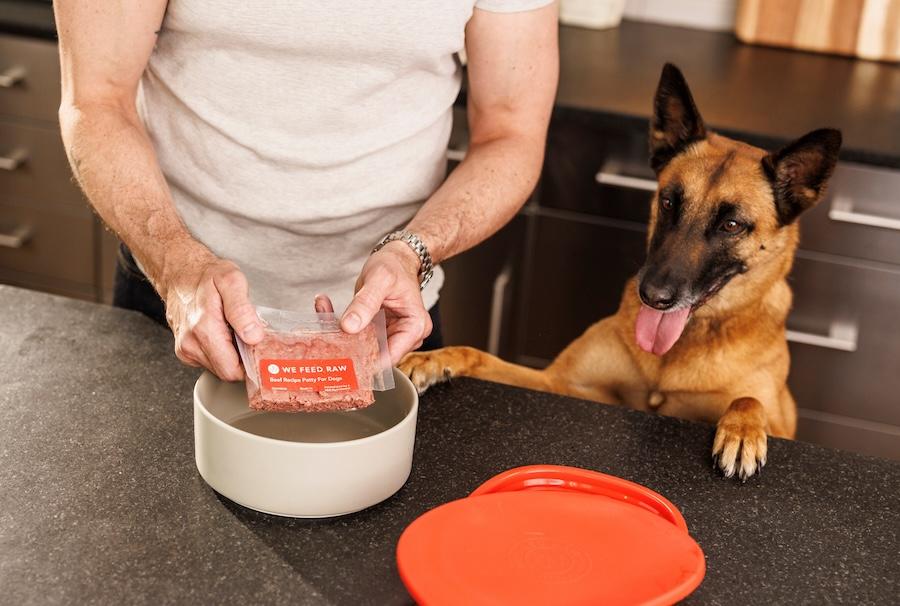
x: 308, y: 375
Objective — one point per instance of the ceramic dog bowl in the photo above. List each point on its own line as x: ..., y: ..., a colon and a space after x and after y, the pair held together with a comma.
x: 305, y: 465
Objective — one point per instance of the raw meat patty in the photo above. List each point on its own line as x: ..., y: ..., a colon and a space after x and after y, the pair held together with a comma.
x: 307, y: 347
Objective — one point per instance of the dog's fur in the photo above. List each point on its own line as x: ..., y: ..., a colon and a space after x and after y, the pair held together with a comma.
x: 731, y: 363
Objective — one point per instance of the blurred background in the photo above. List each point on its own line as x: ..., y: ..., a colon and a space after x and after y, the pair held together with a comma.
x: 765, y: 71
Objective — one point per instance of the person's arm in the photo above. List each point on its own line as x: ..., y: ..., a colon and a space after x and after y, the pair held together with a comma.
x: 104, y: 48
x: 513, y: 68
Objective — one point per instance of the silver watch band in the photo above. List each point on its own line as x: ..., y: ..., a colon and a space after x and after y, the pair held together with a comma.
x: 426, y: 267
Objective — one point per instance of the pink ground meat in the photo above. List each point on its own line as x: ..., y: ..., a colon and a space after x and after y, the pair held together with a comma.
x: 361, y: 348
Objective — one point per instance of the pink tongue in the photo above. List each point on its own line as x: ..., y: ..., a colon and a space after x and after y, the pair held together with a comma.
x: 657, y: 331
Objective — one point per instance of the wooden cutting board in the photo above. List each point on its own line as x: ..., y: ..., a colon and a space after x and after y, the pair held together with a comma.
x: 863, y: 28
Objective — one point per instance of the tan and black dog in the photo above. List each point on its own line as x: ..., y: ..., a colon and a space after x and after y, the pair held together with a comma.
x: 700, y: 331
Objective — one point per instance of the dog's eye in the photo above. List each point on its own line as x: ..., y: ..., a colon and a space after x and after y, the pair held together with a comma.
x: 731, y: 227
x: 666, y: 203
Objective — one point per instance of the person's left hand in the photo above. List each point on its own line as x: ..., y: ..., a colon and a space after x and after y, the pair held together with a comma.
x: 389, y: 279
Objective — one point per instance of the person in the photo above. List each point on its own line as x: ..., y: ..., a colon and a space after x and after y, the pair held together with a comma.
x: 256, y: 153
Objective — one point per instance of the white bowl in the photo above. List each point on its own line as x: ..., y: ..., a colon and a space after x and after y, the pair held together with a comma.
x: 304, y: 465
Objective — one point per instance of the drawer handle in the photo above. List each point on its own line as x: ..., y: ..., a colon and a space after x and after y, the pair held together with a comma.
x: 841, y: 336
x: 14, y: 159
x: 609, y: 177
x: 498, y: 301
x: 456, y: 155
x: 12, y: 76
x: 16, y: 237
x: 842, y: 210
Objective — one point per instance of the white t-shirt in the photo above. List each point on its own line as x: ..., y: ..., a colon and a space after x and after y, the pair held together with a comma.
x: 295, y: 134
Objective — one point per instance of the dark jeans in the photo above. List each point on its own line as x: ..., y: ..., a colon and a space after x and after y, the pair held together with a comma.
x: 132, y: 290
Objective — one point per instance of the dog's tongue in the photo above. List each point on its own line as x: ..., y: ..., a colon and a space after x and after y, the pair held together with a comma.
x: 657, y: 331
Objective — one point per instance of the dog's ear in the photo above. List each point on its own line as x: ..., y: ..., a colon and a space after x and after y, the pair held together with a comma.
x: 800, y: 170
x: 676, y: 121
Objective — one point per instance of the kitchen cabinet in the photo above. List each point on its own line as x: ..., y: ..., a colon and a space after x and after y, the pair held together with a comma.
x: 860, y: 215
x: 584, y: 236
x: 845, y: 348
x: 30, y: 78
x: 49, y: 238
x: 477, y: 297
x: 53, y: 247
x: 573, y: 276
x: 476, y: 300
x: 846, y: 280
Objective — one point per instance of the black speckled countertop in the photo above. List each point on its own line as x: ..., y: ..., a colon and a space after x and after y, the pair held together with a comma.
x: 101, y: 501
x: 767, y: 96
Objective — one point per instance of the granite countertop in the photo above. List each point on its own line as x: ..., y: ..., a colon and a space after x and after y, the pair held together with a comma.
x: 101, y: 501
x: 763, y: 95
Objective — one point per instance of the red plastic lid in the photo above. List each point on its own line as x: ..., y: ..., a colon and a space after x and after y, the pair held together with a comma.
x: 551, y: 535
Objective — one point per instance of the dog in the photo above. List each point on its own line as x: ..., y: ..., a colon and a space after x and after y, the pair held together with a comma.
x: 700, y: 330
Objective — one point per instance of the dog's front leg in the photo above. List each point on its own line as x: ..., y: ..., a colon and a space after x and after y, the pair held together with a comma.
x: 740, y: 444
x: 429, y: 367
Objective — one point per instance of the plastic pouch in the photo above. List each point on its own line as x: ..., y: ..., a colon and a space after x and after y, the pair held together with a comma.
x: 306, y: 363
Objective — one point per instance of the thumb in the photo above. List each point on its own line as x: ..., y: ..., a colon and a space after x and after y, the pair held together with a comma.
x: 365, y: 304
x: 239, y: 312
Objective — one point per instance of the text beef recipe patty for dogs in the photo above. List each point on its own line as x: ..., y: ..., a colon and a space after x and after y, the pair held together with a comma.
x: 315, y: 372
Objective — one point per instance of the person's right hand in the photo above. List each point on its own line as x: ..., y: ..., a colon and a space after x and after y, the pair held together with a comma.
x: 204, y: 302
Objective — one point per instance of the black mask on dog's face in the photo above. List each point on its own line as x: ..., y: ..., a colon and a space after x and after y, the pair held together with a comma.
x: 718, y: 203
x: 694, y: 250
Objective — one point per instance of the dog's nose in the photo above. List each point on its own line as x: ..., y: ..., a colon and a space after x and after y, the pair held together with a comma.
x: 658, y: 297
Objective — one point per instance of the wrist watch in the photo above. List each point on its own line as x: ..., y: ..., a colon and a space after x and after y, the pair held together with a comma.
x: 426, y: 267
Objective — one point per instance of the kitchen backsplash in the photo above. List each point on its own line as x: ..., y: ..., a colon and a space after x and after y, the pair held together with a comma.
x: 699, y: 14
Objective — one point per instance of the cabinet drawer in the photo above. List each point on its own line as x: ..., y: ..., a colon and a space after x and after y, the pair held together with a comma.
x: 601, y: 168
x: 50, y: 243
x: 598, y: 167
x: 574, y: 277
x: 859, y: 217
x: 30, y: 87
x: 474, y: 298
x: 37, y: 171
x: 586, y: 265
x: 845, y: 305
x: 834, y: 431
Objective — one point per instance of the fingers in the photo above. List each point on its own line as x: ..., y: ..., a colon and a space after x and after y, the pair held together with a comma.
x: 366, y: 302
x: 192, y: 350
x: 188, y: 350
x: 323, y: 304
x: 202, y: 336
x: 214, y: 338
x: 407, y: 334
x: 240, y: 314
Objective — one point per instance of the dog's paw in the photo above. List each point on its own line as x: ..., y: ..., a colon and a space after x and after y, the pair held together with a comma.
x: 740, y: 443
x: 426, y: 368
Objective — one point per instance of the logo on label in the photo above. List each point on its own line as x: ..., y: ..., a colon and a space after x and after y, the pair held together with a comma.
x: 308, y: 375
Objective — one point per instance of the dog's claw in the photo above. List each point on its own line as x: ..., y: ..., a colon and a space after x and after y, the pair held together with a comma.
x: 737, y: 457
